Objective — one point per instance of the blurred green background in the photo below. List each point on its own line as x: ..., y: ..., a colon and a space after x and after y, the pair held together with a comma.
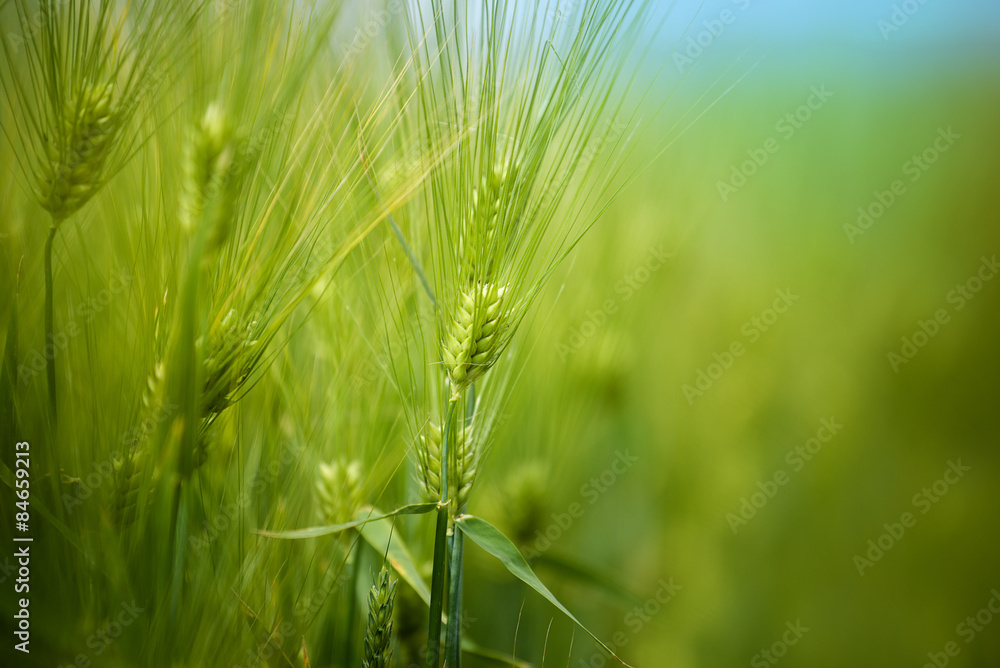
x: 787, y: 228
x: 637, y: 475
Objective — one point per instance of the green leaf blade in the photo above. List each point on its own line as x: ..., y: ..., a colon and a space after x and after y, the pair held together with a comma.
x: 489, y: 538
x: 377, y: 534
x: 367, y: 515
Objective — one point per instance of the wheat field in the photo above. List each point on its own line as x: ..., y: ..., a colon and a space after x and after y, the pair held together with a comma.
x: 414, y: 333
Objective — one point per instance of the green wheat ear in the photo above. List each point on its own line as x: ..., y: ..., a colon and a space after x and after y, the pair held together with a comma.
x: 473, y: 342
x: 124, y: 504
x: 210, y: 160
x: 482, y: 248
x: 338, y: 491
x: 379, y: 631
x: 461, y: 471
x: 72, y: 170
x: 228, y: 362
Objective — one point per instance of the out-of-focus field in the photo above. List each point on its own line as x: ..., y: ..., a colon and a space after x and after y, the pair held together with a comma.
x: 624, y: 362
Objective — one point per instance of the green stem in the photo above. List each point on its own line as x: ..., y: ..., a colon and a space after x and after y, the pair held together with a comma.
x: 440, y: 553
x: 352, y: 606
x: 453, y: 640
x: 50, y: 362
x: 453, y: 635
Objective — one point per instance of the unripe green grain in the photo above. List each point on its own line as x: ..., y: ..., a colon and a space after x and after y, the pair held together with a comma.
x: 75, y: 152
x: 227, y: 362
x: 209, y: 176
x: 126, y: 492
x: 379, y: 632
x: 462, y: 471
x: 338, y: 491
x: 472, y: 343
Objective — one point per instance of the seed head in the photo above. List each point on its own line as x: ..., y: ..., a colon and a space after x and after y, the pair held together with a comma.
x: 472, y: 344
x: 209, y: 175
x: 152, y: 395
x: 338, y: 488
x: 126, y: 491
x: 75, y: 151
x: 462, y: 471
x: 379, y: 631
x: 480, y: 248
x: 228, y: 362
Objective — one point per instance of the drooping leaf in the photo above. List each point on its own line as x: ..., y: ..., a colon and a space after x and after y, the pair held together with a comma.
x: 378, y: 534
x: 488, y: 537
x: 369, y: 516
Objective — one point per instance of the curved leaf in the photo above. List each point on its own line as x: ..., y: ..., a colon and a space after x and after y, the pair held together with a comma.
x: 377, y: 535
x: 488, y: 537
x: 369, y: 516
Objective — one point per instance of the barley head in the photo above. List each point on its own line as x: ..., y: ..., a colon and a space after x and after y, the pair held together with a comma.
x: 483, y: 240
x: 379, y: 632
x: 473, y: 342
x: 338, y: 488
x: 228, y: 362
x: 209, y: 175
x: 72, y: 170
x: 126, y: 491
x: 462, y: 469
x: 429, y: 462
x: 152, y: 395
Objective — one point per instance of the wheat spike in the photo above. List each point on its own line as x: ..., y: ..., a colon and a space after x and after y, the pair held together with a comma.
x: 338, y: 488
x: 462, y: 471
x: 379, y: 631
x: 228, y: 361
x: 209, y: 175
x: 480, y: 246
x: 126, y: 491
x: 472, y: 344
x: 75, y: 153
